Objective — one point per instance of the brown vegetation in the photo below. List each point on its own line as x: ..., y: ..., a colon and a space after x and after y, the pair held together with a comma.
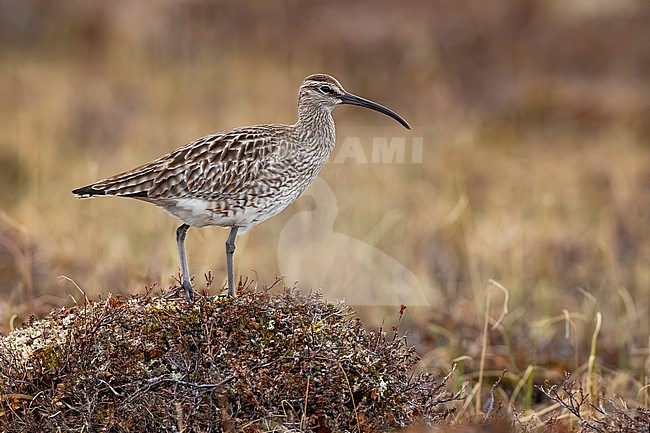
x: 259, y: 362
x: 532, y: 193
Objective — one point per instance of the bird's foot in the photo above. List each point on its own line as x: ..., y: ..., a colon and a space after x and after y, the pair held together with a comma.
x: 189, y: 291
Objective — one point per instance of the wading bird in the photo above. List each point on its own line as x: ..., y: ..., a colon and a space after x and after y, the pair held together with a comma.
x: 240, y: 177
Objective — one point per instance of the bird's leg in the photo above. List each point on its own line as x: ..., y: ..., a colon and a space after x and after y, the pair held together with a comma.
x: 186, y: 284
x: 230, y: 249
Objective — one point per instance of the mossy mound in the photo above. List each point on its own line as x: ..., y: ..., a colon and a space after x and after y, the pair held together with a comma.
x: 259, y: 362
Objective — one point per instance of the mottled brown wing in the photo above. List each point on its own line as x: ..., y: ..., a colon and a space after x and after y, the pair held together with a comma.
x: 212, y: 166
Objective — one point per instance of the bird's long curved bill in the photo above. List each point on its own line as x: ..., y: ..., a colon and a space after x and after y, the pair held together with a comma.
x: 351, y: 99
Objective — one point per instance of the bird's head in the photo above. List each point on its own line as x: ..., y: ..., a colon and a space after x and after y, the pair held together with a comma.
x: 325, y: 92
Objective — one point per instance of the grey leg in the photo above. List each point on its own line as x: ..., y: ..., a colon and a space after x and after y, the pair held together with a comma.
x: 180, y: 239
x: 230, y: 249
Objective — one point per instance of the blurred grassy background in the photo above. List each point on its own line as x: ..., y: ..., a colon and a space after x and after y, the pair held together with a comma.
x: 535, y: 172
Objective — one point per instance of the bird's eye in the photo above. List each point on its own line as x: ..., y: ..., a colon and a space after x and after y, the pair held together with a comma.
x: 326, y: 89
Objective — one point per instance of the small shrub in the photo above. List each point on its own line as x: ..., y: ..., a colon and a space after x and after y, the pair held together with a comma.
x: 258, y: 362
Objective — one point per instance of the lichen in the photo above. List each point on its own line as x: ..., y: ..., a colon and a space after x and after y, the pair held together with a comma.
x: 146, y: 362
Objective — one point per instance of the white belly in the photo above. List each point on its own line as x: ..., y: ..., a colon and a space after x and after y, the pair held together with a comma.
x: 200, y: 213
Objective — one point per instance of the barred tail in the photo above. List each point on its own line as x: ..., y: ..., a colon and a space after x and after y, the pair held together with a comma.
x: 88, y: 191
x: 130, y: 184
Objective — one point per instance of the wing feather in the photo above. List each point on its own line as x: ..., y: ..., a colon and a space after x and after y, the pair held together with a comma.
x: 227, y: 163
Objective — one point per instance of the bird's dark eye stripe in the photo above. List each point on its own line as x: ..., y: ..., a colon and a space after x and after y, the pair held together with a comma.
x: 326, y: 89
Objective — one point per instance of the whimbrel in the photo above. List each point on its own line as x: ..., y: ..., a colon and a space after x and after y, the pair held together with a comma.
x: 240, y: 177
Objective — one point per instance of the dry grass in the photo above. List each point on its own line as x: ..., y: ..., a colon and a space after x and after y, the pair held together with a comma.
x: 535, y: 171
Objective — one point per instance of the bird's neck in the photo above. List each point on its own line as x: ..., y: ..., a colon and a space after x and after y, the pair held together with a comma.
x: 316, y: 127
